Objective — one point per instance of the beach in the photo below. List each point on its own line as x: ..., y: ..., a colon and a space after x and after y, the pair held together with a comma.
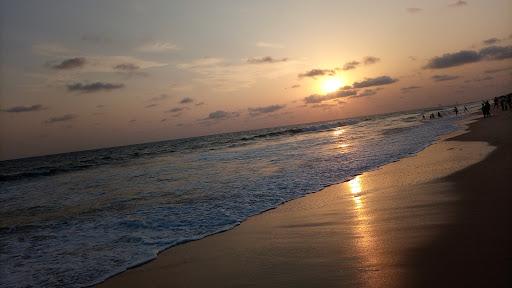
x: 439, y: 218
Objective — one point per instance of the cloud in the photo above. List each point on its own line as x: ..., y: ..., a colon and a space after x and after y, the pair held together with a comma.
x: 368, y: 60
x: 100, y: 106
x: 269, y: 45
x: 414, y: 10
x: 200, y: 104
x: 202, y: 62
x: 126, y: 67
x: 491, y: 41
x: 71, y: 63
x: 221, y: 115
x: 459, y: 3
x: 315, y: 98
x: 317, y: 72
x: 367, y: 92
x: 409, y: 88
x: 132, y: 121
x: 266, y: 59
x: 295, y: 86
x: 157, y: 47
x: 378, y: 81
x: 220, y: 74
x: 453, y: 59
x: 63, y: 118
x: 93, y: 87
x: 350, y: 65
x: 266, y: 109
x: 486, y: 78
x: 186, y: 100
x: 176, y: 110
x: 159, y: 98
x: 492, y: 71
x: 22, y: 109
x: 439, y: 78
x: 468, y: 56
x: 163, y: 120
x: 496, y: 52
x: 151, y: 105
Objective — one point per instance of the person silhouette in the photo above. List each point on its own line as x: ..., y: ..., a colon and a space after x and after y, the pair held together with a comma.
x: 439, y: 114
x: 456, y: 110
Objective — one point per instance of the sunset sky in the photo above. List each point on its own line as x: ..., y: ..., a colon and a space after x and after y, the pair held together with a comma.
x: 87, y: 74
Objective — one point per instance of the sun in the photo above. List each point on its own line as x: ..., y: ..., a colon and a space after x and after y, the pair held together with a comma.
x: 331, y: 84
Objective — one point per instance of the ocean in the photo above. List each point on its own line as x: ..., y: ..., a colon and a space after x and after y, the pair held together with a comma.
x: 75, y: 219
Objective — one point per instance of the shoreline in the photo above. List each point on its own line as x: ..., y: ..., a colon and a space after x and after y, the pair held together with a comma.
x: 147, y: 265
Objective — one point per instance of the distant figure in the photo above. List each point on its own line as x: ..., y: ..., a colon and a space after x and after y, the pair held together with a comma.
x: 503, y: 104
x: 486, y: 109
x: 456, y: 110
x: 423, y: 116
x: 509, y: 101
x: 439, y: 114
x: 465, y: 109
x: 496, y: 102
x: 432, y: 116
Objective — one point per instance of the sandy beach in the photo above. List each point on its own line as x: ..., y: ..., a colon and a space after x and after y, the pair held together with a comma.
x: 440, y: 218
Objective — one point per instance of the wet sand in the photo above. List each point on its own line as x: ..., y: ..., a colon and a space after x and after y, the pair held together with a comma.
x: 437, y: 219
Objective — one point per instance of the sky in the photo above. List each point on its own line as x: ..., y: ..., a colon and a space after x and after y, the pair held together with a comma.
x: 77, y: 75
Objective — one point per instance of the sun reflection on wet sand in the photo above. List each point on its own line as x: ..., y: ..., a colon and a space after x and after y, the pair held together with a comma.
x: 365, y: 240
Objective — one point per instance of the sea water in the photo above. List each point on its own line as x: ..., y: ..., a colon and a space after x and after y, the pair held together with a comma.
x: 74, y: 219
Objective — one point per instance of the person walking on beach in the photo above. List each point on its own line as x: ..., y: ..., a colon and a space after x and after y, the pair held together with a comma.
x: 439, y: 114
x: 509, y: 101
x: 456, y: 110
x: 496, y: 102
x: 465, y: 109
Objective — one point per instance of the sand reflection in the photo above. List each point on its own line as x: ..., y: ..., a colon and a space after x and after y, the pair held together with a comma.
x: 365, y: 241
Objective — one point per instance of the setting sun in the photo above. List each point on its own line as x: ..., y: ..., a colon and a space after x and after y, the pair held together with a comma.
x: 331, y: 84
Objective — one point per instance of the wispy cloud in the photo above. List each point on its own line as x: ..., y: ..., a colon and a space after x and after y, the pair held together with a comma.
x: 492, y: 71
x: 459, y: 3
x: 225, y: 75
x: 265, y: 109
x: 186, y: 100
x: 491, y: 41
x: 159, y: 98
x: 129, y: 67
x: 158, y: 47
x: 176, y: 110
x: 350, y: 65
x: 316, y: 98
x: 377, y: 81
x: 221, y: 115
x: 367, y: 92
x: 414, y: 10
x: 63, y: 118
x: 266, y: 59
x: 409, y: 89
x: 317, y: 72
x: 93, y: 87
x: 295, y: 86
x: 22, y: 109
x: 71, y: 63
x: 368, y: 60
x: 268, y: 45
x: 440, y: 78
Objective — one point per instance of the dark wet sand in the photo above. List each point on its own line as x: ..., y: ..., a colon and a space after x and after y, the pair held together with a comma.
x: 475, y: 250
x: 438, y: 219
